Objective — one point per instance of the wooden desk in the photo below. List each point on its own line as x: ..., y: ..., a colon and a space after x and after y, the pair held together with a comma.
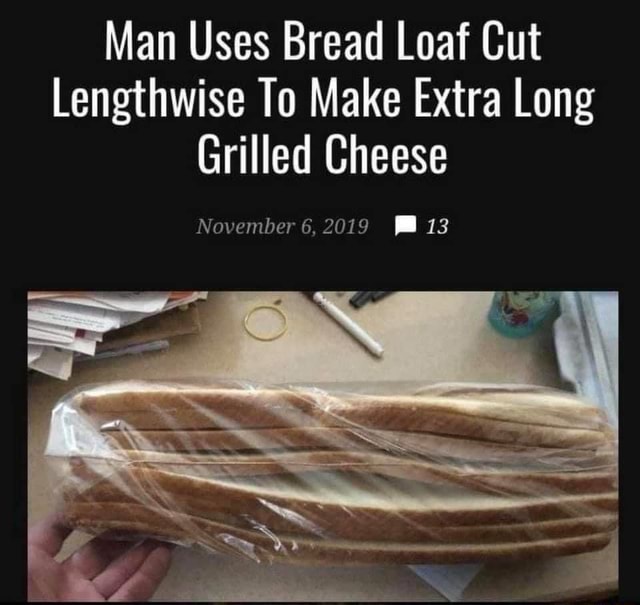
x: 430, y: 336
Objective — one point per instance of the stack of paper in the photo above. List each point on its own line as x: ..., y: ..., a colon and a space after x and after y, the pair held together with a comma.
x: 68, y: 326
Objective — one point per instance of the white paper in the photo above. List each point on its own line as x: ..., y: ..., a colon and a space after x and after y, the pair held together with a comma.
x: 49, y: 337
x: 129, y: 318
x: 179, y: 302
x: 140, y: 302
x: 81, y: 345
x: 449, y: 580
x: 33, y: 352
x: 90, y: 335
x: 73, y: 316
x: 61, y: 333
x: 54, y: 362
x: 70, y: 326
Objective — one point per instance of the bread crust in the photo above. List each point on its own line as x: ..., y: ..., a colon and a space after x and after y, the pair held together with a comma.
x: 285, y: 513
x: 483, y: 479
x: 401, y: 443
x: 548, y: 409
x: 179, y: 409
x: 258, y: 546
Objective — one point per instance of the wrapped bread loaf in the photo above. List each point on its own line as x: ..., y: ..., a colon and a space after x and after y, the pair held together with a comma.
x: 442, y: 474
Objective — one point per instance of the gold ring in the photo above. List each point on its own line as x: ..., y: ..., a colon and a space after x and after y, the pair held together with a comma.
x: 260, y: 336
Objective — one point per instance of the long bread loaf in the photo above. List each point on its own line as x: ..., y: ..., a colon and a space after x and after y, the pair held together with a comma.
x: 460, y: 474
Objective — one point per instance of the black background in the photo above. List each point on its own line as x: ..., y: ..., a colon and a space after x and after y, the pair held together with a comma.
x: 527, y: 199
x: 533, y: 203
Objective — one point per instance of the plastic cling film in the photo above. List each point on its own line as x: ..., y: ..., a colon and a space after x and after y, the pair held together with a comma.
x: 401, y: 473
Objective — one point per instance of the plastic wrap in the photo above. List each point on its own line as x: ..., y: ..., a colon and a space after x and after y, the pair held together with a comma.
x: 376, y: 473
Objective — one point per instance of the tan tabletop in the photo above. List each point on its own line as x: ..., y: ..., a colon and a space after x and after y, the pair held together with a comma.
x: 430, y: 336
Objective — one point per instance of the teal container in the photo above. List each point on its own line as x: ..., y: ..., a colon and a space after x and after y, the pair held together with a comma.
x: 520, y: 313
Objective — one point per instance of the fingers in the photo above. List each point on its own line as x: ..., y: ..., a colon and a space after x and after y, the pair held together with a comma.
x: 49, y: 534
x: 144, y: 582
x: 123, y: 568
x: 43, y: 577
x: 95, y: 556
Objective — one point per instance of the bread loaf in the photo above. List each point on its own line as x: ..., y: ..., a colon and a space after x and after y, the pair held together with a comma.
x: 451, y: 474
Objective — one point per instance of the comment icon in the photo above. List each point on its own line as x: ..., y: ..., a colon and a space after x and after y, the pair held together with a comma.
x: 406, y: 223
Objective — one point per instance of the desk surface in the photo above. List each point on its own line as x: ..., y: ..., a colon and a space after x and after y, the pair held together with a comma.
x: 430, y: 336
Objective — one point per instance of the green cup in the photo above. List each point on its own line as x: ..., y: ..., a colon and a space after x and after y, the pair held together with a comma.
x: 519, y: 313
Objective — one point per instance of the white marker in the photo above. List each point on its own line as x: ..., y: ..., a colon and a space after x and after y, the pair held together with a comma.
x: 348, y: 324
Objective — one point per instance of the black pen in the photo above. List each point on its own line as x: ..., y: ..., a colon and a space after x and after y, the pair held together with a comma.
x: 359, y: 299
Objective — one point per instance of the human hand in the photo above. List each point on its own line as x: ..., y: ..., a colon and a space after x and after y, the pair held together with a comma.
x: 101, y: 570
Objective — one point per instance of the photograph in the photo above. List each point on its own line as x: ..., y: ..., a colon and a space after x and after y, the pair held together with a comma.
x: 381, y: 445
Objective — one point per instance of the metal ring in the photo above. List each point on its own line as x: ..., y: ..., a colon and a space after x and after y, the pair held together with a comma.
x: 260, y: 336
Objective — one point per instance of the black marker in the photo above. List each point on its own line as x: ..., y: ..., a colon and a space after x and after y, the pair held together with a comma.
x: 360, y: 299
